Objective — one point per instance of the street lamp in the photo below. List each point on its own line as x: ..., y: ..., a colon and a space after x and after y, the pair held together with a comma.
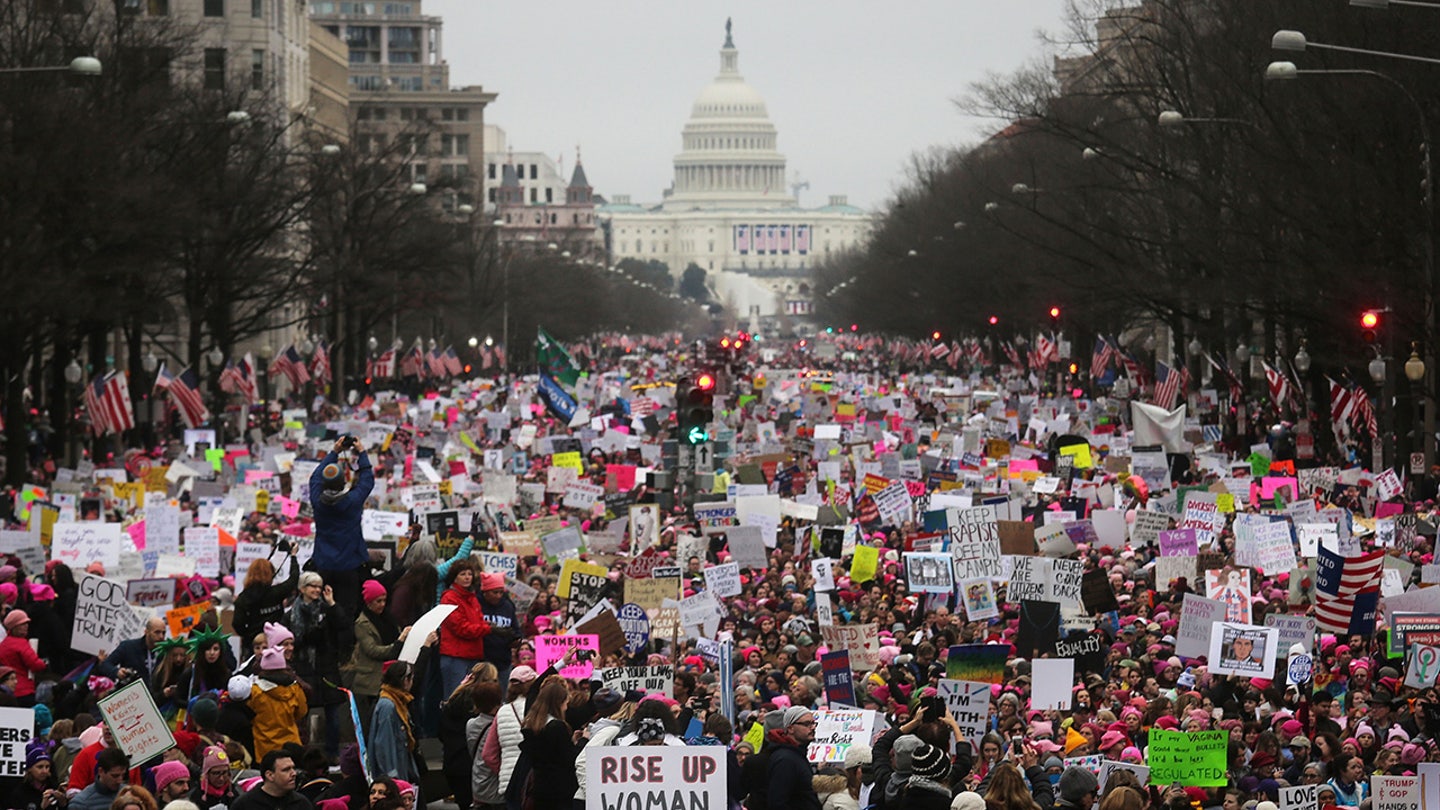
x: 373, y: 343
x: 473, y: 341
x: 1414, y: 367
x: 149, y: 362
x: 1302, y: 359
x: 1174, y: 120
x: 1288, y: 40
x: 73, y: 372
x: 1195, y: 347
x: 1377, y: 369
x: 79, y: 66
x: 215, y: 356
x: 418, y: 189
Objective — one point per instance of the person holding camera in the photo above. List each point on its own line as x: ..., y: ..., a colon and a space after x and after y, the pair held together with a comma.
x: 338, y: 502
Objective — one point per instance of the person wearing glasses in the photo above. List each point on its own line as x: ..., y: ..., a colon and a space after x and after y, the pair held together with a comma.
x: 790, y: 776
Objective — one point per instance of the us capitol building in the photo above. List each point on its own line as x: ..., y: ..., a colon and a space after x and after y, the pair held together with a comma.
x: 730, y: 211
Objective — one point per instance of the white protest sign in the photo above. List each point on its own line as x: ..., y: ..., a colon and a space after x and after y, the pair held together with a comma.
x: 582, y: 495
x: 650, y: 680
x: 423, y: 627
x: 1052, y: 678
x: 1395, y: 792
x: 500, y: 562
x: 723, y: 580
x: 79, y: 544
x: 861, y: 640
x: 1301, y: 797
x: 836, y: 731
x: 1273, y: 550
x: 969, y: 704
x: 245, y: 554
x: 136, y: 724
x: 668, y: 776
x: 823, y: 571
x: 17, y: 726
x: 1197, y: 614
x: 102, y: 616
x: 1243, y: 649
x: 151, y: 592
x: 202, y: 545
x: 974, y: 542
x: 162, y: 529
x: 747, y: 546
x: 377, y: 525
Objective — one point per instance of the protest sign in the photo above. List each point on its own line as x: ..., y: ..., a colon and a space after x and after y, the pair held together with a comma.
x: 822, y: 570
x: 1051, y: 679
x: 1395, y: 792
x: 974, y: 537
x: 17, y: 726
x: 747, y: 546
x: 929, y: 573
x: 549, y: 649
x: 660, y: 776
x: 649, y: 593
x: 635, y: 624
x: 1147, y: 527
x: 650, y: 680
x: 1197, y: 615
x: 150, y: 592
x: 1110, y: 766
x: 179, y: 620
x: 1096, y: 593
x: 103, y: 618
x: 135, y: 723
x: 839, y: 679
x: 498, y: 562
x: 1293, y: 630
x: 1300, y: 797
x: 1421, y: 666
x: 977, y: 662
x: 862, y: 641
x: 570, y: 568
x: 836, y: 731
x: 723, y: 580
x: 79, y: 544
x: 428, y: 623
x: 1243, y: 649
x: 1273, y: 549
x: 1193, y: 759
x: 969, y: 704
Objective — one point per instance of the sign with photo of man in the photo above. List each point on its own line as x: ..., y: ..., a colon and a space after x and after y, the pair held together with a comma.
x: 1243, y: 649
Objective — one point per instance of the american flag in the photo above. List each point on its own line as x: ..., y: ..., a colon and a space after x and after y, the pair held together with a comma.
x: 1048, y: 348
x: 1347, y: 592
x: 1237, y: 389
x: 452, y: 362
x: 382, y: 367
x: 413, y: 363
x: 1167, y: 385
x: 320, y: 363
x: 289, y: 363
x: 500, y: 356
x: 955, y: 354
x: 487, y: 359
x: 239, y: 378
x: 435, y: 363
x: 1102, y: 358
x: 1343, y: 402
x: 1279, y: 384
x: 184, y: 390
x: 1364, y: 414
x: 939, y: 350
x: 1013, y: 354
x: 107, y: 399
x: 1132, y: 368
x: 976, y: 351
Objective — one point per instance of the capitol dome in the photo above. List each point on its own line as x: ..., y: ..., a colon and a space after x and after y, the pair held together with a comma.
x: 729, y: 156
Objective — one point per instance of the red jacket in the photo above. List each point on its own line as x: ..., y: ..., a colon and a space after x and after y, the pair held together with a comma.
x: 462, y: 634
x: 16, y: 653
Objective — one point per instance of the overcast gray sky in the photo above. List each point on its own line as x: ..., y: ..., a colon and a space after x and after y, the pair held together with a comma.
x: 853, y: 86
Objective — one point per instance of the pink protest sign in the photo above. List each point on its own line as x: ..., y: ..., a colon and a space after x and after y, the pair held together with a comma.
x: 1270, y: 484
x: 1385, y: 509
x: 137, y: 534
x: 251, y: 476
x: 549, y: 649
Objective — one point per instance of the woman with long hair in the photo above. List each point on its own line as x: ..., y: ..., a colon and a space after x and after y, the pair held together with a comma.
x: 462, y: 634
x: 551, y: 747
x: 207, y: 674
x: 456, y: 710
x: 392, y: 737
x: 263, y: 599
x: 484, y: 779
x: 1007, y: 785
x: 321, y: 632
x: 167, y: 680
x: 1123, y: 797
x: 501, y: 749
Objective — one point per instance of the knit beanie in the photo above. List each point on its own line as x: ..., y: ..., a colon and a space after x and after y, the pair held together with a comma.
x: 929, y: 762
x: 904, y: 749
x: 371, y: 591
x: 1075, y: 782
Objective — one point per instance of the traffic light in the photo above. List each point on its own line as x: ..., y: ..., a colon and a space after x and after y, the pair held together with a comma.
x: 994, y: 319
x: 935, y: 335
x: 696, y: 409
x: 1054, y: 313
x: 1369, y: 325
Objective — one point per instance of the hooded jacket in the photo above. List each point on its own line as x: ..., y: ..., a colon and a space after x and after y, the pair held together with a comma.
x: 339, y: 544
x: 279, y: 709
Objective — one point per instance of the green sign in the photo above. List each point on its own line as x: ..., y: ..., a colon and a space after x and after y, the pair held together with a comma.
x: 1196, y: 759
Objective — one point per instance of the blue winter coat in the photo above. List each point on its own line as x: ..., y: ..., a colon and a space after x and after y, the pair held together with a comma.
x: 339, y: 543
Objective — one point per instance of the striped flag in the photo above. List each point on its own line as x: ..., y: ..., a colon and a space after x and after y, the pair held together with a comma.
x: 184, y: 391
x: 487, y: 360
x: 452, y: 362
x: 956, y: 352
x: 107, y: 399
x: 1237, y: 389
x: 382, y: 367
x: 1279, y: 384
x: 320, y: 364
x: 1167, y: 385
x: 435, y: 363
x: 976, y: 352
x: 289, y: 363
x: 1347, y: 592
x: 1342, y: 402
x: 239, y: 378
x: 1364, y: 414
x: 939, y: 350
x: 412, y: 364
x: 1101, y: 359
x: 1048, y: 349
x: 1132, y: 368
x: 1013, y: 355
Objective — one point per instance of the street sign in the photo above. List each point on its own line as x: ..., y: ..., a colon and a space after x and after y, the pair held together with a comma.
x: 705, y: 458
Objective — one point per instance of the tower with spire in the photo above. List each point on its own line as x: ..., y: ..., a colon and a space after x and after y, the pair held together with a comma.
x: 571, y: 226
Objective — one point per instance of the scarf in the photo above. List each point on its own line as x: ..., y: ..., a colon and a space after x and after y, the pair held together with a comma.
x: 781, y: 736
x: 384, y: 625
x: 401, y: 699
x: 924, y: 783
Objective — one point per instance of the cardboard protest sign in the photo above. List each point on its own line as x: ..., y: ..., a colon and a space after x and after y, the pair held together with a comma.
x: 428, y: 623
x: 1194, y: 759
x: 135, y: 723
x: 668, y: 776
x: 79, y: 544
x: 650, y: 593
x: 1051, y: 679
x: 1197, y: 615
x: 103, y: 618
x: 929, y: 573
x: 1243, y: 649
x: 969, y: 704
x: 723, y: 579
x: 862, y: 641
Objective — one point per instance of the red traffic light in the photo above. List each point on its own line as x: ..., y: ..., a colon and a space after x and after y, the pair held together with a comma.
x: 705, y: 381
x: 935, y: 335
x: 994, y: 319
x: 724, y: 342
x: 1370, y: 319
x: 1055, y: 312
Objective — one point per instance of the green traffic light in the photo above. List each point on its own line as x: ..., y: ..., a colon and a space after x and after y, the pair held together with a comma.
x: 697, y: 435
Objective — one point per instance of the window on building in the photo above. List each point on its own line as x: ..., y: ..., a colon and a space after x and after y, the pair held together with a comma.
x: 534, y: 195
x: 552, y: 219
x: 575, y: 219
x: 549, y: 195
x: 534, y: 172
x: 418, y: 172
x: 257, y: 9
x: 214, y: 8
x: 214, y: 68
x: 462, y: 144
x: 410, y: 84
x: 490, y: 171
x: 157, y: 8
x: 404, y: 44
x: 491, y: 191
x: 257, y: 69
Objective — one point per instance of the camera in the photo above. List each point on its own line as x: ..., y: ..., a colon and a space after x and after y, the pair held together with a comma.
x: 584, y: 655
x: 347, y: 442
